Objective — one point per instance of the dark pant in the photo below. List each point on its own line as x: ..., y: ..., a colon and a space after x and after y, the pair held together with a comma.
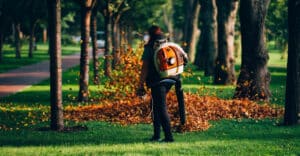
x: 160, y: 111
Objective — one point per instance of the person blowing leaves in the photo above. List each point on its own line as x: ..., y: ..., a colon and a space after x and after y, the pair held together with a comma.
x: 160, y: 86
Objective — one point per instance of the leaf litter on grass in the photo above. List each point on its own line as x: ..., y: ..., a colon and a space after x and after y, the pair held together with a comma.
x: 199, y: 111
x: 120, y: 105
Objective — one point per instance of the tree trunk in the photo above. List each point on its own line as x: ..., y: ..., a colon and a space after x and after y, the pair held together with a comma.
x: 86, y: 11
x: 108, y: 45
x: 224, y: 71
x: 1, y: 37
x: 207, y: 46
x: 1, y: 45
x: 116, y: 43
x: 94, y: 44
x: 292, y: 94
x: 54, y: 24
x: 168, y: 12
x: 129, y: 36
x: 17, y: 30
x: 254, y: 79
x: 190, y: 32
x: 44, y: 35
x: 31, y: 39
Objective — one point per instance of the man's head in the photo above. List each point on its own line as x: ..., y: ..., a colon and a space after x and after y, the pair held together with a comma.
x: 154, y: 30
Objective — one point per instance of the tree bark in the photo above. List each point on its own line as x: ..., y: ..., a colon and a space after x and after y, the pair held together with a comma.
x: 1, y: 37
x: 17, y: 30
x: 190, y: 32
x: 168, y: 18
x: 292, y: 94
x: 224, y: 70
x: 31, y: 38
x: 54, y: 24
x: 254, y: 79
x: 1, y: 45
x: 86, y: 11
x: 207, y: 46
x: 94, y: 45
x: 115, y: 43
x: 108, y: 44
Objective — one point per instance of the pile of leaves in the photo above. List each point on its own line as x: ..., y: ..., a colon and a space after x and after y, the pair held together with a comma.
x: 199, y: 111
x: 120, y: 105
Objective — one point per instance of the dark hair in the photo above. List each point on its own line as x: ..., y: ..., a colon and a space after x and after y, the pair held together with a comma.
x: 154, y: 30
x: 155, y: 33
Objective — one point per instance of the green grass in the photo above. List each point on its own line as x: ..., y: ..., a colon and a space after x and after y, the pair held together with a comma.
x: 225, y: 137
x: 10, y: 62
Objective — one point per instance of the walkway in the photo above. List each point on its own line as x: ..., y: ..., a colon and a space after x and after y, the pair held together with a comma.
x: 17, y: 80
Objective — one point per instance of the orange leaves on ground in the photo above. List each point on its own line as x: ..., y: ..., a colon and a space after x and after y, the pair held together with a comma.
x: 199, y: 111
x: 119, y: 103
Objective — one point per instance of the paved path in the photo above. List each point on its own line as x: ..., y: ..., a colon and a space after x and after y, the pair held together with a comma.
x: 18, y: 79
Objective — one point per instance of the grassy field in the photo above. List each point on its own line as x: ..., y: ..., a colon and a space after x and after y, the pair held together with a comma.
x: 9, y: 62
x: 225, y: 137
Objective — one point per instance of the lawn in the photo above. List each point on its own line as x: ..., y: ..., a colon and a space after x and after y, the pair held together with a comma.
x: 26, y: 113
x: 9, y: 62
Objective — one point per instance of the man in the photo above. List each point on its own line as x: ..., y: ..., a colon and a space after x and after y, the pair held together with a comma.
x: 159, y: 89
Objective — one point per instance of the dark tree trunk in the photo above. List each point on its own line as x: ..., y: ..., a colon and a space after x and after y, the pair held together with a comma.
x: 292, y: 95
x: 254, y: 79
x: 54, y: 24
x: 86, y: 11
x: 2, y: 25
x: 1, y: 38
x: 190, y: 33
x: 225, y: 71
x: 108, y: 45
x: 1, y: 45
x: 116, y: 43
x: 94, y: 45
x: 31, y: 39
x: 129, y: 36
x: 17, y: 29
x: 207, y: 46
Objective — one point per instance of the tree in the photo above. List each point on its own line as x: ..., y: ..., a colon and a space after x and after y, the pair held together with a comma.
x: 17, y: 36
x: 168, y: 12
x: 36, y: 11
x: 94, y: 44
x: 208, y: 43
x: 54, y: 24
x: 276, y: 25
x: 86, y: 11
x: 1, y: 28
x: 118, y: 8
x: 292, y: 95
x: 224, y: 70
x: 254, y: 78
x: 106, y: 11
x: 16, y: 11
x: 190, y: 33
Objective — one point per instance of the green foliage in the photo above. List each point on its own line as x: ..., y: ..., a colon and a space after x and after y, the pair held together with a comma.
x: 144, y: 13
x: 276, y: 22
